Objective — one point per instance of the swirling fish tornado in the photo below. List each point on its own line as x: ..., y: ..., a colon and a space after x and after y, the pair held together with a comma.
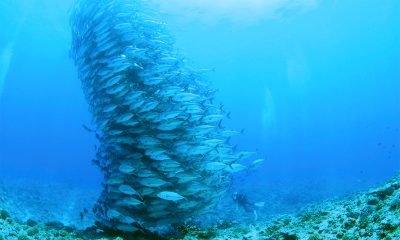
x: 163, y: 151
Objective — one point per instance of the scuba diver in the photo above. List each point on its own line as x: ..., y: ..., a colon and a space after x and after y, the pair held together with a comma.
x: 243, y: 202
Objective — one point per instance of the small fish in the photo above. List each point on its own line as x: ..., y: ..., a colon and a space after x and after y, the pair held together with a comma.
x: 153, y: 81
x: 111, y: 213
x: 87, y: 128
x: 152, y: 182
x: 236, y: 167
x: 185, y: 97
x: 129, y: 202
x: 109, y: 108
x: 148, y: 106
x: 256, y: 163
x: 128, y: 190
x: 169, y: 125
x: 126, y: 168
x: 212, y: 118
x: 126, y: 228
x: 125, y: 117
x: 170, y: 196
x: 215, y: 166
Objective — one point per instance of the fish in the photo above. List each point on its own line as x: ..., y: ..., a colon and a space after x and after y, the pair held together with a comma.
x: 153, y: 182
x: 169, y: 164
x: 170, y: 196
x: 126, y: 189
x: 115, y: 89
x: 130, y: 123
x: 87, y: 128
x: 245, y: 155
x: 126, y: 168
x: 153, y: 81
x: 129, y: 202
x: 146, y: 191
x: 163, y: 150
x: 125, y: 117
x: 149, y: 141
x: 229, y: 133
x: 215, y: 166
x: 169, y: 125
x: 109, y: 108
x: 148, y: 106
x: 132, y: 97
x: 115, y: 180
x: 136, y: 105
x: 212, y: 118
x: 160, y: 157
x: 126, y: 219
x: 126, y: 228
x: 201, y: 129
x: 145, y: 173
x: 167, y: 136
x: 256, y: 163
x: 236, y: 167
x: 114, y: 80
x: 185, y: 177
x: 184, y: 97
x: 165, y: 116
x: 112, y: 213
x: 188, y: 204
x: 196, y: 150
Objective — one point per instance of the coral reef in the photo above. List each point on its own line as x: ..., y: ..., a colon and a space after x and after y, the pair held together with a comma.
x: 48, y: 202
x: 374, y: 214
x: 11, y: 229
x: 371, y: 215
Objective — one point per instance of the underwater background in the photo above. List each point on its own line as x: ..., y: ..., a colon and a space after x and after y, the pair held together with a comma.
x: 314, y: 85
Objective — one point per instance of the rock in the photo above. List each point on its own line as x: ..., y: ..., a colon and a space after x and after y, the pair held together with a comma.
x: 396, y: 185
x: 32, y: 231
x: 314, y: 237
x: 373, y: 200
x: 353, y: 214
x: 289, y: 236
x: 55, y: 224
x: 31, y: 222
x: 23, y: 236
x: 384, y: 192
x: 4, y: 214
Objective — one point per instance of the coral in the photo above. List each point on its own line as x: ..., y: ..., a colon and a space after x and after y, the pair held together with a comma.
x: 351, y: 218
x: 374, y: 215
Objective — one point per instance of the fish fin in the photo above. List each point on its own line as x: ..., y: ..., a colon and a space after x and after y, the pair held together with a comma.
x: 216, y: 149
x: 220, y: 124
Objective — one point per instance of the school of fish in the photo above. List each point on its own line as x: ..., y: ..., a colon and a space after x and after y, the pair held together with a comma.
x: 163, y: 150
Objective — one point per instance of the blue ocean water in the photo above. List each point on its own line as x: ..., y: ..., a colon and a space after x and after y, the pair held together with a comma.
x: 315, y: 85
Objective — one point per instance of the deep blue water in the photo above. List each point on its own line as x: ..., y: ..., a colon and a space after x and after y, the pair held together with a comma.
x: 316, y: 89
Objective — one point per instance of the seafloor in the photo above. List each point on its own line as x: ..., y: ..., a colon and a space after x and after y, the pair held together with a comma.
x: 374, y: 214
